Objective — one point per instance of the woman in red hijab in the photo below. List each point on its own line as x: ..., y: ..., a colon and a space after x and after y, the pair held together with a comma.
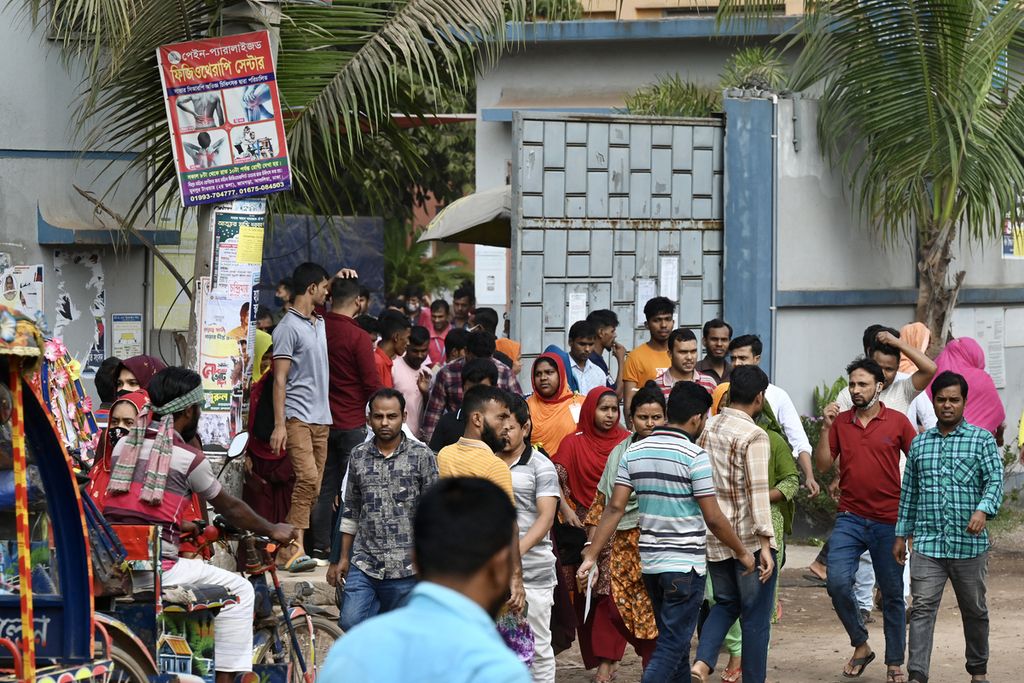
x: 133, y: 374
x: 580, y: 462
x: 123, y: 413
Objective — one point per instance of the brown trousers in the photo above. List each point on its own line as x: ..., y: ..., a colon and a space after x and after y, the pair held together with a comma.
x: 307, y: 451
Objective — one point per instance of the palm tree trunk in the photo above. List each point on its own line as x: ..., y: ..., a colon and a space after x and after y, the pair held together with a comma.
x: 935, y: 298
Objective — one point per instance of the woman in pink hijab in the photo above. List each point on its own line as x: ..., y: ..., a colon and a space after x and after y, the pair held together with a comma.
x: 984, y: 408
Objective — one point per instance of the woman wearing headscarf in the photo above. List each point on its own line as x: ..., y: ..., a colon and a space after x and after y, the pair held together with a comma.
x: 580, y: 461
x: 261, y: 360
x: 554, y: 409
x: 984, y: 407
x: 634, y: 615
x: 783, y: 484
x: 123, y: 413
x: 269, y: 477
x: 917, y: 335
x: 135, y: 373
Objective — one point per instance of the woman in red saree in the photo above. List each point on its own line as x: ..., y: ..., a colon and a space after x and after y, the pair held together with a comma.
x: 580, y: 462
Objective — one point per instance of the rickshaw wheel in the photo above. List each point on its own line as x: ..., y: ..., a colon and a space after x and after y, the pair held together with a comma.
x: 127, y: 668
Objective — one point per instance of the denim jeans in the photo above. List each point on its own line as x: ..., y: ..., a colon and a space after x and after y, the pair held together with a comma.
x: 676, y: 598
x: 367, y: 597
x: 324, y: 518
x: 928, y: 576
x: 751, y: 601
x: 851, y: 536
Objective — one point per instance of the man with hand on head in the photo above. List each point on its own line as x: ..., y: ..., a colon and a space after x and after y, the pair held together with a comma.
x: 463, y: 536
x: 387, y: 476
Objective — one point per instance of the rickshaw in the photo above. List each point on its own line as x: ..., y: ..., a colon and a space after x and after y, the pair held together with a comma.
x: 46, y: 583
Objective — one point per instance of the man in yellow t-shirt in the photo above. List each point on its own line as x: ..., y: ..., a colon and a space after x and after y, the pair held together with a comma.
x: 488, y: 418
x: 651, y: 358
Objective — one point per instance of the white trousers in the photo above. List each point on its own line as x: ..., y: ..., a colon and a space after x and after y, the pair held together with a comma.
x: 233, y: 625
x: 539, y: 602
x: 864, y: 583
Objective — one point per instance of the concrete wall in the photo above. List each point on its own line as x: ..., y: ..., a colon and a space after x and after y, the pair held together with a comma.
x: 834, y: 279
x: 39, y: 162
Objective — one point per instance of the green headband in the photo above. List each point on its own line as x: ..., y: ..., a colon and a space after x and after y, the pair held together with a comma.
x: 179, y: 404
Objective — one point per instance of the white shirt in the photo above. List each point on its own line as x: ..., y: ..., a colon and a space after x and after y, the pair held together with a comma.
x: 789, y: 419
x: 922, y: 413
x: 589, y: 377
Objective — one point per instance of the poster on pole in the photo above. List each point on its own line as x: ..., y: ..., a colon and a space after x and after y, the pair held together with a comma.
x: 227, y: 129
x: 125, y: 334
x: 1013, y: 240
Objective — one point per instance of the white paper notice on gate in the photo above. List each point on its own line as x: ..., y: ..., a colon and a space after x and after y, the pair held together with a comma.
x: 669, y: 276
x: 646, y: 289
x: 577, y: 307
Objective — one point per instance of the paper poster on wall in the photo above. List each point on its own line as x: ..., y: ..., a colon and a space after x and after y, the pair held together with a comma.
x: 577, y: 307
x: 79, y: 275
x: 668, y: 276
x: 1013, y: 240
x: 1013, y: 326
x: 646, y: 289
x: 227, y: 129
x: 126, y: 334
x: 491, y: 276
x: 21, y: 288
x: 988, y: 332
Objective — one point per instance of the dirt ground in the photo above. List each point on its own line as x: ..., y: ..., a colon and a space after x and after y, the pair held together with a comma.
x: 809, y: 644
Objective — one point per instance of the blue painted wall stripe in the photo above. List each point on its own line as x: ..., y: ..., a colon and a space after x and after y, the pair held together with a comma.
x: 747, y: 270
x: 97, y: 155
x: 505, y: 114
x: 975, y: 296
x: 659, y: 29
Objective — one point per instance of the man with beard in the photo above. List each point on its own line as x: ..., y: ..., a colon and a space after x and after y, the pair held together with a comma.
x: 464, y: 535
x: 868, y: 441
x: 717, y: 334
x: 387, y: 477
x: 154, y: 472
x: 488, y: 416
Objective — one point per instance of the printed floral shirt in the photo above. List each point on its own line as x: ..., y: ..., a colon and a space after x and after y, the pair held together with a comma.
x: 380, y: 501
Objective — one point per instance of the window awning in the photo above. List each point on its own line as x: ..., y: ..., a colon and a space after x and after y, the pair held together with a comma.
x: 479, y: 218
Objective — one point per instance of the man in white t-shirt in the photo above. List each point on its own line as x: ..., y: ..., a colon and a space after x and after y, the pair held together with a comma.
x: 746, y: 350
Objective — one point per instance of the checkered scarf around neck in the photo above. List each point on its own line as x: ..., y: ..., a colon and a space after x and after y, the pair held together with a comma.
x: 159, y: 458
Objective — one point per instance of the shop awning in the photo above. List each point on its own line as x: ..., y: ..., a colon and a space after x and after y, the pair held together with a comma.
x: 480, y: 218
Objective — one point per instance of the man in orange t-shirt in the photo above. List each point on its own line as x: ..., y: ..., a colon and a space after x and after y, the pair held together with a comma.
x: 394, y: 340
x: 651, y: 358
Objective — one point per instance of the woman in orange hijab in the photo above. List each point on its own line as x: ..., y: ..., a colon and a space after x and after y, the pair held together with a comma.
x: 917, y: 335
x: 554, y: 409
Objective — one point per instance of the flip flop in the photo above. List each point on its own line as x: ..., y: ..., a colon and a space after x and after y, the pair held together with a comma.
x: 815, y: 580
x: 861, y: 662
x: 300, y: 563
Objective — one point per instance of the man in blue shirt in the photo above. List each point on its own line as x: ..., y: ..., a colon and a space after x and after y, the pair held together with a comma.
x: 952, y: 486
x: 463, y: 535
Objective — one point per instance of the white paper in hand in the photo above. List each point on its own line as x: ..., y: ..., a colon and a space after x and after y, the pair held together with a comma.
x: 590, y: 590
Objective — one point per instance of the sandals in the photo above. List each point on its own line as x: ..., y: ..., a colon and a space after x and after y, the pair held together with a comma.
x: 891, y: 674
x: 859, y: 664
x: 815, y: 580
x: 732, y: 675
x: 299, y: 563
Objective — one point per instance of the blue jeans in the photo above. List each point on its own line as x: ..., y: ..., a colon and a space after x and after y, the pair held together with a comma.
x: 851, y: 536
x: 746, y: 598
x: 676, y: 598
x: 367, y: 597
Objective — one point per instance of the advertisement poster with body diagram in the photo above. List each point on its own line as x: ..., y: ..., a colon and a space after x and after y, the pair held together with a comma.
x: 225, y: 115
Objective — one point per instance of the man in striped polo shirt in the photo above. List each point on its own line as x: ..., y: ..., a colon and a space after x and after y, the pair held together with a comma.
x: 672, y: 479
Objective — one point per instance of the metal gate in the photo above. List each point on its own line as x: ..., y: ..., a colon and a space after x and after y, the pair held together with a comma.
x: 608, y: 211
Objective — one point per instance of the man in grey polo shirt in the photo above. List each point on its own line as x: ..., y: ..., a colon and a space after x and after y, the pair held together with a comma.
x: 535, y: 485
x: 302, y: 414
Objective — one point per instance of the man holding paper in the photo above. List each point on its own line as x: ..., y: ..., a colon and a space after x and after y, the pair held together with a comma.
x: 672, y: 479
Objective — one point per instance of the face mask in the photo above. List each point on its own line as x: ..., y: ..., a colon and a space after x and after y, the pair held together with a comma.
x: 877, y: 397
x: 116, y: 434
x: 412, y: 308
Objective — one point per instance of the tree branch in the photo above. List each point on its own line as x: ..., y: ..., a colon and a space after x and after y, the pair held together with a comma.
x: 131, y: 230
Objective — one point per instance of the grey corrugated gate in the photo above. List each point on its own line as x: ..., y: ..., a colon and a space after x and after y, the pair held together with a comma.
x: 602, y: 208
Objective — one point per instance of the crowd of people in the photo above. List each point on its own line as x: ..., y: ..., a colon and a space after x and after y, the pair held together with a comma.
x: 630, y: 498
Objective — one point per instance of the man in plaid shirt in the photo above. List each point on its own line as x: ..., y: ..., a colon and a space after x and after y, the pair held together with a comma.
x: 952, y: 485
x: 446, y: 394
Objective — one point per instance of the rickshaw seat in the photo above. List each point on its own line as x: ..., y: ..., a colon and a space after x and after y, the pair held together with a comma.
x: 196, y: 596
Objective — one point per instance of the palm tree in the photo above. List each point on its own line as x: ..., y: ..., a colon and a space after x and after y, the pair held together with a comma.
x: 343, y: 68
x: 408, y: 262
x: 921, y: 107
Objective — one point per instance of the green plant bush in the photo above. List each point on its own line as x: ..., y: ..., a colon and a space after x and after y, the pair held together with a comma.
x: 819, y: 511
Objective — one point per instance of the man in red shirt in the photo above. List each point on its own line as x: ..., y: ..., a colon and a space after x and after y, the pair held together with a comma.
x: 440, y: 324
x: 353, y: 379
x: 394, y: 339
x: 867, y: 441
